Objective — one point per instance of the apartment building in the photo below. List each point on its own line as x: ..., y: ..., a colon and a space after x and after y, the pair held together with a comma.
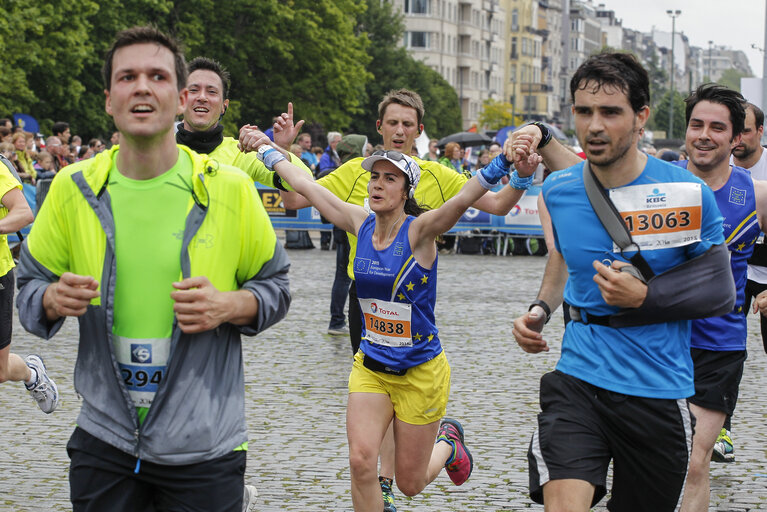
x: 463, y: 41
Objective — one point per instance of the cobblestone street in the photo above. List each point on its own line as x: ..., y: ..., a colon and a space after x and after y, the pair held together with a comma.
x: 296, y: 388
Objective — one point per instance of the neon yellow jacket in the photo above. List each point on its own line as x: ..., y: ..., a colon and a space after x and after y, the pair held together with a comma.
x: 228, y: 238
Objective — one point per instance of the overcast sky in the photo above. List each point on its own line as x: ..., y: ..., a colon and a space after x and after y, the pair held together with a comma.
x: 734, y: 23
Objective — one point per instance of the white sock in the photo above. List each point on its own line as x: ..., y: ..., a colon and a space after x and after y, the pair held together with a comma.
x: 32, y: 377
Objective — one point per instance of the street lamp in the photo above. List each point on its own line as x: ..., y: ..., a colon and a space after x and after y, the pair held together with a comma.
x: 673, y: 15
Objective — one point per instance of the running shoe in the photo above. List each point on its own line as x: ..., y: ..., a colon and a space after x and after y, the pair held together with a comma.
x: 460, y: 464
x: 724, y: 451
x: 388, y: 494
x: 249, y: 498
x: 44, y: 390
x: 338, y: 331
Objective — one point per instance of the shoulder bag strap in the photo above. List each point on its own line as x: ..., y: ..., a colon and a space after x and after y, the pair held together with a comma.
x: 612, y: 221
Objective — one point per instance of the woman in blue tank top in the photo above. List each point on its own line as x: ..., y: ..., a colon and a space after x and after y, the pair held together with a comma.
x: 401, y: 371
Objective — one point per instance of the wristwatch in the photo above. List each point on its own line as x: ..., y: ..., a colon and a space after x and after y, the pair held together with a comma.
x: 545, y: 134
x: 544, y: 306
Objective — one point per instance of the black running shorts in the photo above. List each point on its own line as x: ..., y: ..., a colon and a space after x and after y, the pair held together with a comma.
x: 6, y: 309
x: 717, y: 378
x: 101, y: 478
x: 581, y: 428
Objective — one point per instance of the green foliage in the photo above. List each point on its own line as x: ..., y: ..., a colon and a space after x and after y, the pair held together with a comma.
x: 334, y: 59
x: 43, y: 48
x: 498, y: 114
x: 731, y: 78
x: 659, y: 118
x: 304, y: 51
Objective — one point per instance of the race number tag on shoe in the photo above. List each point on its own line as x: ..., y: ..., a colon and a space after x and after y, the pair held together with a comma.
x: 660, y: 215
x: 387, y: 323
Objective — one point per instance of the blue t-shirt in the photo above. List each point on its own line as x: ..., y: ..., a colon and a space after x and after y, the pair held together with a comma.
x: 397, y: 298
x: 737, y: 203
x: 673, y: 217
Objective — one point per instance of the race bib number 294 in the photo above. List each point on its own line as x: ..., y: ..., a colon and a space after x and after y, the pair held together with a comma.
x: 660, y: 215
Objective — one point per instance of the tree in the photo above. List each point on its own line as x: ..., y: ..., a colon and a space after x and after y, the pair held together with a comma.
x: 304, y: 51
x: 497, y: 114
x: 43, y: 48
x: 659, y: 116
x: 731, y: 78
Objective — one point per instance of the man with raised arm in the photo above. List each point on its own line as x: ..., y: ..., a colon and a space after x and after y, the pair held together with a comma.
x: 625, y: 368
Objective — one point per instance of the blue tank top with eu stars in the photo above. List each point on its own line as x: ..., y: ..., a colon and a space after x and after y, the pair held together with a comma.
x: 737, y: 203
x: 397, y: 298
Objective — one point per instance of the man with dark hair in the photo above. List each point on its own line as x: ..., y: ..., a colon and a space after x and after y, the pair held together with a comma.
x: 201, y: 130
x: 162, y: 424
x: 715, y: 121
x: 750, y: 155
x: 400, y: 116
x: 208, y: 87
x: 61, y: 130
x: 618, y: 386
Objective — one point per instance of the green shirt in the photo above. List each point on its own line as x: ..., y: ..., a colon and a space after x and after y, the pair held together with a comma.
x: 149, y: 218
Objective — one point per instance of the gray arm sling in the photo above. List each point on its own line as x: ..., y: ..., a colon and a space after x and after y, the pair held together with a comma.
x: 698, y: 288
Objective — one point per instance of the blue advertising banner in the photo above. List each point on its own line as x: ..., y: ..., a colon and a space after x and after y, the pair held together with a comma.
x: 521, y: 220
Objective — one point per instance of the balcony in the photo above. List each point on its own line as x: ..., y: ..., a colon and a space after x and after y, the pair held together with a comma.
x: 533, y: 88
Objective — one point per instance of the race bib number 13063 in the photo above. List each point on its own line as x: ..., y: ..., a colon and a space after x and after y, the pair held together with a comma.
x: 660, y: 215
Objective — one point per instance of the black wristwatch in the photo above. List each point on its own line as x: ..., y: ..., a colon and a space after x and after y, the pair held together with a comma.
x: 545, y: 134
x: 544, y: 306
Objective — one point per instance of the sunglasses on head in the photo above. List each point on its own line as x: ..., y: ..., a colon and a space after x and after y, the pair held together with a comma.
x: 394, y: 155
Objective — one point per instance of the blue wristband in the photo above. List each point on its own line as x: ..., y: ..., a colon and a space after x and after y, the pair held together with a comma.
x: 519, y: 183
x: 483, y: 181
x: 270, y: 156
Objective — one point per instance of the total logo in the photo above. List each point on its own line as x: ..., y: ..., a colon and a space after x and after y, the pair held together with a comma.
x: 385, y: 312
x: 656, y: 197
x: 515, y: 211
x: 141, y: 353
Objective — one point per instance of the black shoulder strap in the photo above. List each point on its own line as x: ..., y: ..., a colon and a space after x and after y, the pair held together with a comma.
x: 612, y: 221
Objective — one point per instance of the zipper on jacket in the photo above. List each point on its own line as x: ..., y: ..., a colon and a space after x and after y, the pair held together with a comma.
x: 138, y: 457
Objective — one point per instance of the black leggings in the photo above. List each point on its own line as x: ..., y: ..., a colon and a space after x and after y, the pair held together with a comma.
x: 355, y: 318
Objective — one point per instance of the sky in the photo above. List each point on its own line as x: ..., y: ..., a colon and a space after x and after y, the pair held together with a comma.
x: 734, y: 23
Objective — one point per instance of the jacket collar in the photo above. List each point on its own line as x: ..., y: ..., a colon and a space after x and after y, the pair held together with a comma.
x: 97, y: 173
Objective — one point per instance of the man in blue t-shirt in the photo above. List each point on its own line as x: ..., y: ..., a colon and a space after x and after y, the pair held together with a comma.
x: 715, y: 117
x: 615, y: 390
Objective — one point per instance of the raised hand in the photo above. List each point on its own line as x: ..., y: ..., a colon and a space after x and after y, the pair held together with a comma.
x: 285, y: 132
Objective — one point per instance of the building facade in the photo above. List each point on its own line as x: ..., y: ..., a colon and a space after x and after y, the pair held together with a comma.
x: 463, y: 41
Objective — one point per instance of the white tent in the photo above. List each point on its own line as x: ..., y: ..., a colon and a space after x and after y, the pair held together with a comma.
x: 422, y: 143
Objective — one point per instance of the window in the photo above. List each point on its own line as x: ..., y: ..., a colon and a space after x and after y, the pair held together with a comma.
x: 514, y: 20
x: 417, y: 6
x: 513, y: 47
x: 417, y: 39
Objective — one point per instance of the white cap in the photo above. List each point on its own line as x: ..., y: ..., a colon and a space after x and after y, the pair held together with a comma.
x: 403, y: 162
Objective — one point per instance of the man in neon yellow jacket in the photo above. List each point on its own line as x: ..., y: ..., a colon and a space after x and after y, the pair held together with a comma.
x: 166, y: 257
x: 201, y: 130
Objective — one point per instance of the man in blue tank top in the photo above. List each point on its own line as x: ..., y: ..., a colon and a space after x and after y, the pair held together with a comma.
x: 615, y: 390
x: 715, y: 119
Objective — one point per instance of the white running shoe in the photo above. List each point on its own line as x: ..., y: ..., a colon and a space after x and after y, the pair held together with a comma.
x: 249, y: 498
x: 44, y: 391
